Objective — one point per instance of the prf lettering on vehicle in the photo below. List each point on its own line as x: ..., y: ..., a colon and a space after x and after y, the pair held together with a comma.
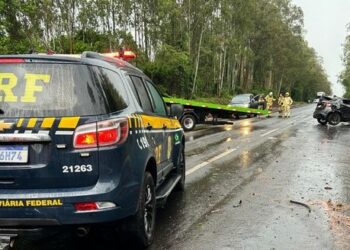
x: 31, y: 203
x: 8, y: 81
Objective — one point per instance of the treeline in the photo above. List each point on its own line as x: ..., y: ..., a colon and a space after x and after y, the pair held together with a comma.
x: 190, y: 48
x: 345, y: 75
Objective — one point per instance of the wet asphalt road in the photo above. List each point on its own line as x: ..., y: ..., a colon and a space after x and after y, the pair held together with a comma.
x: 241, y: 179
x: 242, y: 200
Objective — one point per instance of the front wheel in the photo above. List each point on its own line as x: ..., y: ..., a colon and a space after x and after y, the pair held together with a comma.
x: 322, y: 121
x: 188, y: 122
x: 181, y: 170
x: 143, y: 222
x: 334, y: 118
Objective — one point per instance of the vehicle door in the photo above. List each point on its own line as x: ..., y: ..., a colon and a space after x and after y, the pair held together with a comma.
x: 258, y: 104
x: 167, y: 126
x: 345, y: 109
x: 151, y: 125
x: 251, y: 101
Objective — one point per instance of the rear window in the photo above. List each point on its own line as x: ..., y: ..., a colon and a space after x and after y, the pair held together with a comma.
x: 49, y: 89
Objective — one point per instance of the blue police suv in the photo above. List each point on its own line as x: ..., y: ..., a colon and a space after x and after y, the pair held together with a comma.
x: 84, y: 141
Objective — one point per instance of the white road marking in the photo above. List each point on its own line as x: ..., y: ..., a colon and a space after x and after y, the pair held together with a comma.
x: 270, y: 132
x: 205, y: 163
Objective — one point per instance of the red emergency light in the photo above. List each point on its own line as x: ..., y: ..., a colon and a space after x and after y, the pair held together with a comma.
x: 11, y: 60
x: 125, y: 55
x: 128, y: 55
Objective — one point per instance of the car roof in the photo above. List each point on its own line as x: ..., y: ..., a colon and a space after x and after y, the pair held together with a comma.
x: 243, y: 95
x: 86, y: 57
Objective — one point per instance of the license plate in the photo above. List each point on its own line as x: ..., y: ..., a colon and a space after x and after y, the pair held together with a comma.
x: 13, y: 154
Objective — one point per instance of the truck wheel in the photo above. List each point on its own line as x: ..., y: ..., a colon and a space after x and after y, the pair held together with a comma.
x: 334, y: 118
x: 143, y: 222
x: 181, y: 169
x: 188, y: 122
x: 322, y: 121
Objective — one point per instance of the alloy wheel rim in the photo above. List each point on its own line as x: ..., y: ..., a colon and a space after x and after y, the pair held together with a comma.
x: 148, y: 211
x: 182, y: 164
x: 188, y: 123
x: 335, y: 119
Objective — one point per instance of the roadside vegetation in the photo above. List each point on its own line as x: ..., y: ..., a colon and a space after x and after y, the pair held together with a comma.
x: 345, y: 75
x: 190, y: 48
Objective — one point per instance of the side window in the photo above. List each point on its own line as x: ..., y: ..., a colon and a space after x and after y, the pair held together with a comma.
x: 159, y: 107
x: 113, y: 87
x: 142, y: 94
x: 132, y: 86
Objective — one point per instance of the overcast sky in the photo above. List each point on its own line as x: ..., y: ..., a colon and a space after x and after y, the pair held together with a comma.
x: 325, y: 24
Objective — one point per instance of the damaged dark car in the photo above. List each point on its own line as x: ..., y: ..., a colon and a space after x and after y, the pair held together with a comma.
x: 340, y: 111
x: 332, y: 110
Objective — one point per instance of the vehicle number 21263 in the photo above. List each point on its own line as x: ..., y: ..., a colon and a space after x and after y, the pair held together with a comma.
x: 77, y: 168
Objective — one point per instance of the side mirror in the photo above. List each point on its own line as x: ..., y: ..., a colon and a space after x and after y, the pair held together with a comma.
x: 176, y: 110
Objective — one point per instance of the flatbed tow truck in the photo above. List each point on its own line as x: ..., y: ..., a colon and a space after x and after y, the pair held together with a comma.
x: 196, y: 112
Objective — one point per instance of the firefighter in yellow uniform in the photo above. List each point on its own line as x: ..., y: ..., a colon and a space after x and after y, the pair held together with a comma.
x: 287, y: 103
x: 280, y: 103
x: 269, y: 101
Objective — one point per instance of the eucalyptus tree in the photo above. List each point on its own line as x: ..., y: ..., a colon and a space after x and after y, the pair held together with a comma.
x: 345, y: 75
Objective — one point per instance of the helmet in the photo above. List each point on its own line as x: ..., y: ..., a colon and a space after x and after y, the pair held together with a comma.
x: 271, y: 93
x: 287, y: 93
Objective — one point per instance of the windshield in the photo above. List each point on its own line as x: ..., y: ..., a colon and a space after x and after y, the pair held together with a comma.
x: 47, y: 89
x: 241, y: 99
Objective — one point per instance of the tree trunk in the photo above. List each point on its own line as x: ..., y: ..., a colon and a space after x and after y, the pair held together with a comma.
x: 280, y: 84
x: 241, y: 73
x: 189, y: 28
x: 269, y: 80
x: 72, y: 20
x: 222, y: 73
x: 197, y: 62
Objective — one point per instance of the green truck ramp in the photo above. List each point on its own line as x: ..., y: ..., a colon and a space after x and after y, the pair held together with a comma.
x: 213, y: 106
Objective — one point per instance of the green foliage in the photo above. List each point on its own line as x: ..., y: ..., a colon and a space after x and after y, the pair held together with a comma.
x: 171, y: 70
x: 190, y: 48
x: 345, y: 75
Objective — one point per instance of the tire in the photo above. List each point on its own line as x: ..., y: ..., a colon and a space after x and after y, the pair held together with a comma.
x: 142, y: 224
x: 322, y: 121
x: 181, y: 169
x: 334, y: 118
x: 188, y: 122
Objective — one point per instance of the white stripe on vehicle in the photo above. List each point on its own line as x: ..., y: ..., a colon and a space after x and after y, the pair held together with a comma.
x: 59, y: 132
x: 44, y: 132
